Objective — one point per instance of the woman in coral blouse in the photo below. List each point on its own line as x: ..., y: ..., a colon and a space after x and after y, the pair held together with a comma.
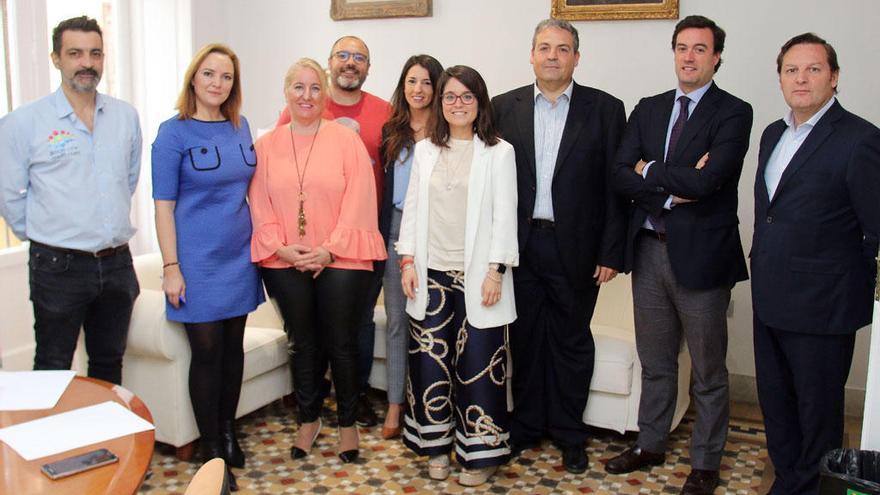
x: 313, y: 202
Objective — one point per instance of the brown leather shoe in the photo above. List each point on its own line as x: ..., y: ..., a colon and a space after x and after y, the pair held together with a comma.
x: 700, y: 482
x: 632, y: 459
x: 389, y: 433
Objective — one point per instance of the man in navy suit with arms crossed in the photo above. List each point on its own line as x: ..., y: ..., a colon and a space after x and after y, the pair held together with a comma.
x: 679, y: 163
x: 817, y: 220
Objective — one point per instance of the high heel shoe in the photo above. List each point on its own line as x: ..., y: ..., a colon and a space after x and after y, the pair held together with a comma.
x: 349, y: 456
x: 232, y: 452
x: 298, y: 453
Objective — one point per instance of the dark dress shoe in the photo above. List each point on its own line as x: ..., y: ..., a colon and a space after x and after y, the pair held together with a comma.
x: 574, y: 459
x: 232, y: 452
x: 349, y: 456
x: 632, y: 459
x: 701, y: 482
x: 364, y: 414
x: 518, y: 446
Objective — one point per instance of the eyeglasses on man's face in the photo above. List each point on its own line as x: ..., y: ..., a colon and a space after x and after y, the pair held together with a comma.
x: 344, y: 55
x: 466, y: 98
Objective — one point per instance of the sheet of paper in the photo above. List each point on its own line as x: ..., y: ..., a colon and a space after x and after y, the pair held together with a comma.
x: 69, y: 430
x: 25, y: 390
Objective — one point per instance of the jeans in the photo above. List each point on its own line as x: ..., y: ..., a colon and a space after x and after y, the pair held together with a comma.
x: 69, y: 291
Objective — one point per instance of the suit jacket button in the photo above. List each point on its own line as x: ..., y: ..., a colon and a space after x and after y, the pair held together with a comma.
x: 533, y: 189
x: 769, y: 219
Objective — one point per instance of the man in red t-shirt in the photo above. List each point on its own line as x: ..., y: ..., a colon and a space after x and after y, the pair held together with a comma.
x: 349, y: 105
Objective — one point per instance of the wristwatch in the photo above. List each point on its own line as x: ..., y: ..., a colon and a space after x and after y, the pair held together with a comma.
x: 501, y: 268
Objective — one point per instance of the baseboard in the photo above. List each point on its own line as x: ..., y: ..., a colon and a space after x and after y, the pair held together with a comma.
x: 743, y: 389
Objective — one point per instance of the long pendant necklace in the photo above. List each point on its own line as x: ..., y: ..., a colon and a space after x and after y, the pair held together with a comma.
x: 301, y: 216
x: 450, y: 177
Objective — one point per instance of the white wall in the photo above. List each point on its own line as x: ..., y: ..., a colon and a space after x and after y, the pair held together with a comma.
x: 629, y: 59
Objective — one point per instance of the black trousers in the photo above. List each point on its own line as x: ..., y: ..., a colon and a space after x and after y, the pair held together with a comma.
x: 801, y: 379
x: 552, y: 347
x: 321, y: 320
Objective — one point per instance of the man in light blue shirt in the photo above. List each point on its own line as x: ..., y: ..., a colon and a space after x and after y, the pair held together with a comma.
x: 816, y: 235
x: 69, y: 164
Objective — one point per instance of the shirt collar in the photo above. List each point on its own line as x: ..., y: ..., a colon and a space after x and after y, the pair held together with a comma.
x: 695, y: 95
x: 567, y: 92
x: 789, y: 116
x: 62, y: 105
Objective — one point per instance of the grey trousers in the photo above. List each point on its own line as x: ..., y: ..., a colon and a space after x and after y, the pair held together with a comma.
x: 664, y: 312
x: 397, y: 334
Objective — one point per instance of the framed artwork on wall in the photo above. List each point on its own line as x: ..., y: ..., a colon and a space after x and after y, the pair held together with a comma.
x: 378, y: 9
x: 605, y: 10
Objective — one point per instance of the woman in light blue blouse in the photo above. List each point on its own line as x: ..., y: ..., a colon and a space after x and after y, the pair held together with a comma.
x: 203, y: 160
x: 410, y: 109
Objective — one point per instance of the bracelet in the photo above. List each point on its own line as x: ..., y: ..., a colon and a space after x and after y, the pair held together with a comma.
x: 166, y: 265
x: 408, y: 266
x: 490, y: 277
x: 403, y: 263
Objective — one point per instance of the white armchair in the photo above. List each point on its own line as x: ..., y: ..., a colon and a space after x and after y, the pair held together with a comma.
x: 617, y: 377
x: 616, y: 386
x: 156, y: 363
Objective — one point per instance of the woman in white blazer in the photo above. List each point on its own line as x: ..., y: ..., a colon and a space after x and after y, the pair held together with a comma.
x: 457, y: 240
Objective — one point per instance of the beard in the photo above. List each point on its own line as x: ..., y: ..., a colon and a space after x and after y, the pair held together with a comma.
x: 349, y: 83
x: 342, y: 82
x: 85, y: 87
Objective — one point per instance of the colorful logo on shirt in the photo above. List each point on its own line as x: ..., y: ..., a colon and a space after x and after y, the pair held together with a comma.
x: 61, y: 143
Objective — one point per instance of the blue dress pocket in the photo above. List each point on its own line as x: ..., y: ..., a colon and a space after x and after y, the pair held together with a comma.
x: 204, y: 157
x: 248, y: 154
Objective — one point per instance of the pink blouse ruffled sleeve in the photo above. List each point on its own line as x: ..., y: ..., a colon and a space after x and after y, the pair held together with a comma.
x: 356, y: 234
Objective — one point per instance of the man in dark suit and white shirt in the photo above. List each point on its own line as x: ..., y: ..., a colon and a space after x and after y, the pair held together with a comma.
x: 570, y: 230
x: 683, y: 247
x: 817, y: 220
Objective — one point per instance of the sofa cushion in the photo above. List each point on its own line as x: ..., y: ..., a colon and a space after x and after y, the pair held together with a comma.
x: 264, y: 350
x: 615, y: 354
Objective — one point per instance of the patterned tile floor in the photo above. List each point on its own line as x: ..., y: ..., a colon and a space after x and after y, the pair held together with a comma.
x: 388, y: 467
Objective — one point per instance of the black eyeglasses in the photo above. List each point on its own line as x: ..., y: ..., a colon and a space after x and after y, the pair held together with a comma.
x: 466, y: 98
x: 343, y: 56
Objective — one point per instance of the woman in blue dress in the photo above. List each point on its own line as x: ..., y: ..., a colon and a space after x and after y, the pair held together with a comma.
x: 203, y: 160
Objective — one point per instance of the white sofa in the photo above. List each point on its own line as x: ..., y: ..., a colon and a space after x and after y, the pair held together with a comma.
x: 156, y: 363
x: 616, y: 385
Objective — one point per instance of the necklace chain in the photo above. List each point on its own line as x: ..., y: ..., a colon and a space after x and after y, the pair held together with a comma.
x: 301, y: 177
x: 451, y: 176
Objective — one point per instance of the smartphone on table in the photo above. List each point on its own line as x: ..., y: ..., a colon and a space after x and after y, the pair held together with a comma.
x: 77, y: 464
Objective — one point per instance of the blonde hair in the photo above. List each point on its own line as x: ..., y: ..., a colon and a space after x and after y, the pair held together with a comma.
x: 186, y: 102
x: 307, y: 63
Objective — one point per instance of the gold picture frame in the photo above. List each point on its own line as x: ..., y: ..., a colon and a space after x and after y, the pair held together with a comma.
x: 605, y: 10
x: 373, y: 9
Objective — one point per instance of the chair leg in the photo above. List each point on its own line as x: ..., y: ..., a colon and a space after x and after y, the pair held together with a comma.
x: 185, y: 452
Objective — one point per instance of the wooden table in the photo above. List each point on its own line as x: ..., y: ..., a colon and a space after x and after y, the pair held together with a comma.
x: 134, y: 451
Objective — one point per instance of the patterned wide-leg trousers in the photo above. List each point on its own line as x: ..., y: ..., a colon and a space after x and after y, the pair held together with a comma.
x: 456, y: 387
